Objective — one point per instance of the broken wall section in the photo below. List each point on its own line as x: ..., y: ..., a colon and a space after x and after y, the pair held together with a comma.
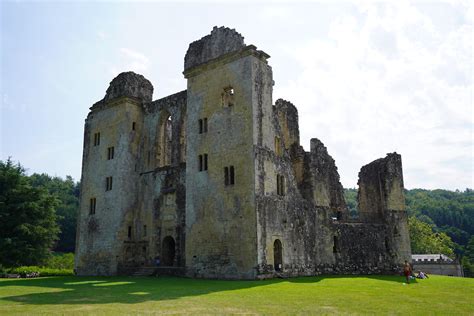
x: 381, y: 200
x: 321, y: 183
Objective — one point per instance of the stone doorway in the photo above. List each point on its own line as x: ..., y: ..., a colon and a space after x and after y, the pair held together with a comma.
x: 277, y: 255
x: 168, y: 251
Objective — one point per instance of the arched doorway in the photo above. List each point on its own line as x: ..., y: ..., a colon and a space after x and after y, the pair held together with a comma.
x: 168, y: 251
x: 277, y: 255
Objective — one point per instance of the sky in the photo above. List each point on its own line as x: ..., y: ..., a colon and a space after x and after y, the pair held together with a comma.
x: 368, y: 78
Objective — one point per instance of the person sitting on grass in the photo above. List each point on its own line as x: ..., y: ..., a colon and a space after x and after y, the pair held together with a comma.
x: 422, y: 275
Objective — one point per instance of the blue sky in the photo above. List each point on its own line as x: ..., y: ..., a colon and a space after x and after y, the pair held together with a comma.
x: 367, y: 79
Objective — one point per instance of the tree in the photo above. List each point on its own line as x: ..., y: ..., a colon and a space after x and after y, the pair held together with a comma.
x: 67, y: 192
x: 424, y: 240
x: 28, y: 218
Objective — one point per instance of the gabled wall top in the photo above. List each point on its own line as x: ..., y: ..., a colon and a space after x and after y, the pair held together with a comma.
x: 222, y: 40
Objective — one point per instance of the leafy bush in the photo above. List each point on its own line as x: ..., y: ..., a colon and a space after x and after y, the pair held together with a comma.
x: 23, y: 271
x: 60, y: 261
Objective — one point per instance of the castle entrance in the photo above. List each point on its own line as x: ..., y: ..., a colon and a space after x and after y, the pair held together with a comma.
x: 277, y: 255
x: 168, y: 251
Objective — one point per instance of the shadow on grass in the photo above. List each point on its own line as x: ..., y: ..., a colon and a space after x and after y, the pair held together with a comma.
x: 131, y: 290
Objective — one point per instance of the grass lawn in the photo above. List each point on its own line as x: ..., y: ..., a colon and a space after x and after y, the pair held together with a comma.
x: 168, y: 295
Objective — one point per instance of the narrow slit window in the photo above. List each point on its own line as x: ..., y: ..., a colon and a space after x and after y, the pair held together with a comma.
x: 226, y: 175
x: 96, y: 139
x: 92, y: 206
x: 232, y: 177
x: 277, y: 146
x: 278, y: 184
x: 129, y: 234
x: 110, y: 153
x: 134, y: 126
x: 108, y: 183
x: 205, y: 162
x: 201, y: 127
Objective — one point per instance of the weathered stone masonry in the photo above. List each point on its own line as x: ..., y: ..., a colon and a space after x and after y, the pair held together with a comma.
x: 214, y: 181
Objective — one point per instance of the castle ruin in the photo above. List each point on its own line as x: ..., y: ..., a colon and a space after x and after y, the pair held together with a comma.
x: 214, y: 181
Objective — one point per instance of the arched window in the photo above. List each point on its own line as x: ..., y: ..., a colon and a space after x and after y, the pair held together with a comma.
x: 182, y: 141
x: 165, y: 133
x: 277, y: 255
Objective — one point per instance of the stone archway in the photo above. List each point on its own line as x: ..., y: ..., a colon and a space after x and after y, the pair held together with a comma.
x: 168, y: 251
x: 277, y: 255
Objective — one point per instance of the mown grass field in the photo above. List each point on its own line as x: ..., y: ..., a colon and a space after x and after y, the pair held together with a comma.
x: 167, y: 295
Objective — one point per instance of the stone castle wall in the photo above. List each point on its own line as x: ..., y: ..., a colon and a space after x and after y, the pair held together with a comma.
x: 283, y: 212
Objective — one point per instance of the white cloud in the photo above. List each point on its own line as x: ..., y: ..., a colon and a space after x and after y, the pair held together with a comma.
x: 130, y: 60
x: 385, y: 79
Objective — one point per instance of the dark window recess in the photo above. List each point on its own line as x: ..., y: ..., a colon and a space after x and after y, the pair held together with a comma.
x: 203, y: 125
x: 144, y: 231
x: 226, y: 175
x: 134, y: 126
x: 92, y: 206
x: 229, y: 176
x: 108, y: 183
x: 110, y: 153
x: 280, y: 185
x: 228, y: 97
x: 335, y: 248
x: 203, y: 162
x: 129, y: 232
x: 96, y: 139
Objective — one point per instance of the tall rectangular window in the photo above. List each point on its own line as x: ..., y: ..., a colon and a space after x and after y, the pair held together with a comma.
x: 203, y: 125
x: 229, y: 177
x: 110, y: 153
x: 226, y: 175
x: 277, y: 146
x: 108, y: 183
x: 96, y: 139
x: 92, y: 206
x: 134, y: 126
x: 203, y: 162
x: 129, y: 232
x: 280, y: 185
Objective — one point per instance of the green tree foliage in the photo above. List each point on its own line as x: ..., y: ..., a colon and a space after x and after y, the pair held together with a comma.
x: 27, y: 215
x: 67, y: 193
x: 424, y: 240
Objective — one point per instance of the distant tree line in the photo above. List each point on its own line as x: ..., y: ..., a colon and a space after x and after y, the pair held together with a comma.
x: 440, y: 221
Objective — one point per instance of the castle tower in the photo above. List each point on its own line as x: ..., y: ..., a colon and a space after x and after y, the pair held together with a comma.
x: 109, y: 177
x: 228, y: 96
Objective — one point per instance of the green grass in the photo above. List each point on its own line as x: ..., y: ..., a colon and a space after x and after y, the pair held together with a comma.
x: 167, y: 295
